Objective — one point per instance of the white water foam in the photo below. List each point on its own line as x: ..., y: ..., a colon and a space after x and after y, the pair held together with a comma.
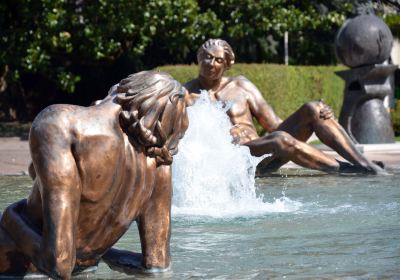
x: 212, y: 176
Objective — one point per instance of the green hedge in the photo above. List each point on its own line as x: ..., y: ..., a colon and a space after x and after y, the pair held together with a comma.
x: 285, y: 88
x: 395, y: 116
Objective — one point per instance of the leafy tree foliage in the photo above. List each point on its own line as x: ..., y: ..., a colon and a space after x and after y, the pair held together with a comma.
x: 60, y: 42
x: 50, y: 48
x: 311, y: 25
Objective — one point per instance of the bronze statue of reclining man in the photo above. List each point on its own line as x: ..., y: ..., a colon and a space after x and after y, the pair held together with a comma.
x: 286, y: 139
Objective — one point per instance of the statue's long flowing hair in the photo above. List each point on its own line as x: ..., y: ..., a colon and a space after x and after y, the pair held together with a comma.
x: 153, y: 112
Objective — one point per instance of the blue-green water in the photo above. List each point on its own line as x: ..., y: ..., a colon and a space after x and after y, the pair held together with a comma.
x: 342, y: 227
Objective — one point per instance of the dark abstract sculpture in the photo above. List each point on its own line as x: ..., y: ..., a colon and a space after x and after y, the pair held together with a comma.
x: 286, y: 139
x: 364, y: 43
x: 96, y: 170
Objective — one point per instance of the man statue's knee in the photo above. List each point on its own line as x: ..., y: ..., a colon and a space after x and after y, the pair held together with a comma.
x: 283, y: 141
x: 312, y: 109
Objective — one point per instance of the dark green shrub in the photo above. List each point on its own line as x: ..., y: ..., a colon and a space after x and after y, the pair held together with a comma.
x: 395, y: 115
x: 393, y: 21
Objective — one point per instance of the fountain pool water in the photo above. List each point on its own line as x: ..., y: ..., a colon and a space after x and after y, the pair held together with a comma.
x: 342, y: 227
x: 295, y: 224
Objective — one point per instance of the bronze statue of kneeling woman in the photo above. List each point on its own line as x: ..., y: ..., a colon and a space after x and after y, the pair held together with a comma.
x: 95, y: 170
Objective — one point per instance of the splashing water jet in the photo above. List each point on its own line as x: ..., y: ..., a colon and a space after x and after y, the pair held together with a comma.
x: 211, y: 175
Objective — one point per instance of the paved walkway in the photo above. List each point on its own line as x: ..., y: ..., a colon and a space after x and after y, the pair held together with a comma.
x: 15, y: 157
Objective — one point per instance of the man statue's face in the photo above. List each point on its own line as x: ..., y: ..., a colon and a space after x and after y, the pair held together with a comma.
x: 212, y: 63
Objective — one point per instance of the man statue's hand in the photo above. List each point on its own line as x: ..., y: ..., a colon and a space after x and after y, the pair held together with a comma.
x: 236, y: 133
x: 325, y: 112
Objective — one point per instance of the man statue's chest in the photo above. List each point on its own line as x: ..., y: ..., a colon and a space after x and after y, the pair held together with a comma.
x: 235, y: 102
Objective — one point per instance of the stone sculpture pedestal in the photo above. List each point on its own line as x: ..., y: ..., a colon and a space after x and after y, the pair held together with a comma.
x: 363, y: 114
x: 363, y: 44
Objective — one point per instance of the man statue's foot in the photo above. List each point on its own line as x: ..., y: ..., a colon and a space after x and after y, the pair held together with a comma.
x: 348, y: 168
x: 378, y: 167
x: 375, y: 168
x: 379, y: 163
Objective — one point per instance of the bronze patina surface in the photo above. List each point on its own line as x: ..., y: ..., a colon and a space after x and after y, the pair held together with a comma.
x: 96, y: 170
x: 286, y: 138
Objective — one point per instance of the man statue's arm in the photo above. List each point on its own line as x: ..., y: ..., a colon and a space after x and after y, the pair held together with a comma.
x: 259, y: 108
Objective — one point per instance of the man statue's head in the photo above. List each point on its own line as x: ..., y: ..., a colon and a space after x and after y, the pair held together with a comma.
x: 214, y: 57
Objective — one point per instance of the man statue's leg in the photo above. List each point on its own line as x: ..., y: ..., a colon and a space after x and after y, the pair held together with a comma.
x: 283, y: 147
x: 309, y: 119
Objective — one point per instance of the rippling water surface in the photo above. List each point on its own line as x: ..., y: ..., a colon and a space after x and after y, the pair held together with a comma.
x: 296, y: 224
x: 331, y: 227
